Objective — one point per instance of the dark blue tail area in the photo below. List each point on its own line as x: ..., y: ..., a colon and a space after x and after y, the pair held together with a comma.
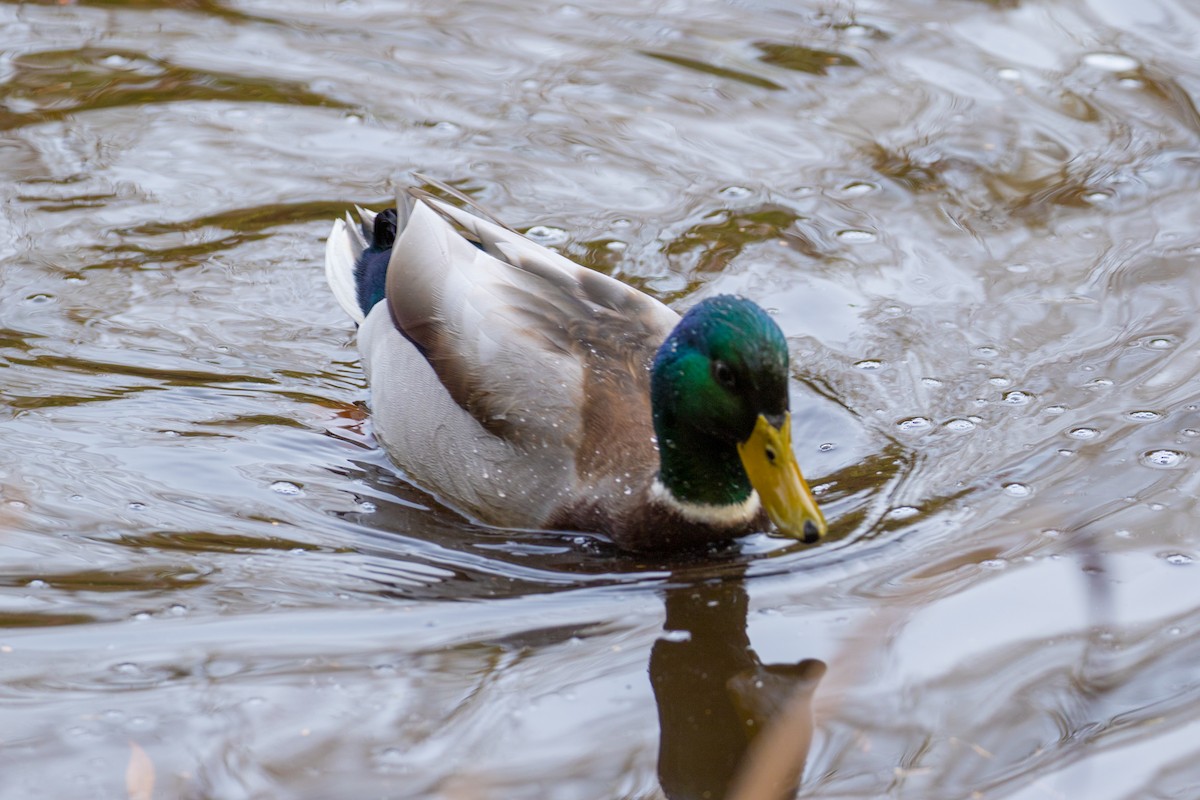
x: 370, y: 272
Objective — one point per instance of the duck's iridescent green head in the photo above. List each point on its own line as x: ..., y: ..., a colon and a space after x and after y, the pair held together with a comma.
x: 719, y: 394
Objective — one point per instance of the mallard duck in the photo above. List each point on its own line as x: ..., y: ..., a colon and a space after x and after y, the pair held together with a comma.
x: 531, y: 392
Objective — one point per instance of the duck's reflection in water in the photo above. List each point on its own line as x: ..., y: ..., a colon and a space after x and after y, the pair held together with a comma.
x: 713, y: 693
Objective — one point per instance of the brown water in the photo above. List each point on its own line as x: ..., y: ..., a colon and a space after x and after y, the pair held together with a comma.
x: 977, y: 222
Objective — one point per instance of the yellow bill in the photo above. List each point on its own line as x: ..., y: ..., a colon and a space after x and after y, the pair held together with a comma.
x: 771, y: 465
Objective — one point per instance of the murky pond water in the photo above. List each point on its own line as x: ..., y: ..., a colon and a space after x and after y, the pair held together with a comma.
x: 977, y: 222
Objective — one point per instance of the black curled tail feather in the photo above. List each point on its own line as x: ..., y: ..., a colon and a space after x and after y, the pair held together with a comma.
x: 370, y: 271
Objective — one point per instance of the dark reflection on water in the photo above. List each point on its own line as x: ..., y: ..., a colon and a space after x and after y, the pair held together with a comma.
x: 712, y: 692
x: 66, y: 82
x: 976, y: 222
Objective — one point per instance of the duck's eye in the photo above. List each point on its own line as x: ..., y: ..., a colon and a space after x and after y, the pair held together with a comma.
x: 724, y: 375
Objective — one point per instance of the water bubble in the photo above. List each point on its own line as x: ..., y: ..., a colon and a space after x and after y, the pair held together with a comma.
x: 1178, y: 559
x: 913, y: 424
x: 1055, y: 409
x: 1098, y: 382
x: 286, y: 488
x: 1096, y: 197
x: 39, y: 298
x: 960, y: 425
x: 1160, y: 343
x: 993, y: 563
x: 113, y: 715
x: 1008, y: 74
x: 901, y: 512
x: 986, y: 351
x: 825, y: 447
x: 137, y: 506
x: 1052, y: 533
x: 1083, y: 433
x: 1017, y: 398
x: 390, y: 757
x: 1017, y: 490
x: 1191, y: 433
x: 858, y: 188
x: 931, y: 381
x: 547, y: 235
x: 735, y: 192
x: 999, y: 380
x: 868, y: 363
x: 1124, y: 533
x: 36, y: 583
x: 1064, y: 452
x: 1111, y: 62
x: 1143, y: 416
x: 1163, y: 459
x: 367, y: 507
x: 1018, y: 269
x: 855, y: 236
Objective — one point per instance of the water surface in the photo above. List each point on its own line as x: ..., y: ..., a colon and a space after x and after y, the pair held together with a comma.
x: 975, y: 221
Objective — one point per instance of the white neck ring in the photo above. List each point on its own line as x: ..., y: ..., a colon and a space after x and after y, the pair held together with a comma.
x: 726, y: 516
